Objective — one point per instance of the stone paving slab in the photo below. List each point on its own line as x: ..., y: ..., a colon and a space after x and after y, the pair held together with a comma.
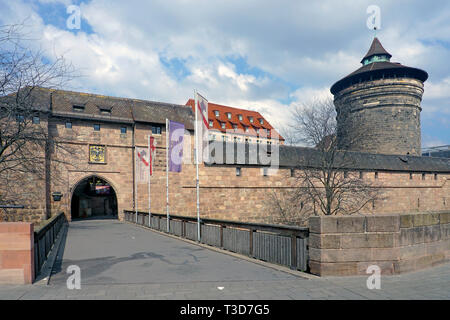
x: 123, y: 261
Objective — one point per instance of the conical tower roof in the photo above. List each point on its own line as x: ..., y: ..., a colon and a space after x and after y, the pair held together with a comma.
x: 376, y: 49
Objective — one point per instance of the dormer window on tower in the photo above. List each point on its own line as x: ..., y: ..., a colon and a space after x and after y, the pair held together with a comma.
x: 216, y: 113
x: 240, y: 117
x: 250, y: 119
x: 229, y: 115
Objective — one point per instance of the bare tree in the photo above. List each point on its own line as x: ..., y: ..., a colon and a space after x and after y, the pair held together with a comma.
x: 326, y: 179
x: 24, y: 140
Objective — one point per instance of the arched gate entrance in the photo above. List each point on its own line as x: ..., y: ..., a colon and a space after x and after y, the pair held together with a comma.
x: 93, y: 197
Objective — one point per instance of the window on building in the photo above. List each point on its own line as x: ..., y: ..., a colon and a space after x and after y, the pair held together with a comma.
x: 250, y: 119
x: 78, y: 108
x: 123, y: 130
x: 216, y: 113
x: 210, y: 123
x: 292, y: 172
x: 156, y: 129
x: 235, y: 126
x: 361, y: 175
x: 376, y: 175
x: 261, y: 120
x: 96, y: 127
x: 229, y: 115
x: 68, y: 125
x: 240, y: 117
x: 435, y: 176
x: 20, y: 118
x: 423, y: 176
x: 265, y: 171
x: 105, y: 111
x: 345, y: 174
x: 222, y: 124
x: 246, y: 129
x: 36, y: 120
x: 268, y: 133
x: 238, y: 171
x: 257, y: 130
x: 410, y: 176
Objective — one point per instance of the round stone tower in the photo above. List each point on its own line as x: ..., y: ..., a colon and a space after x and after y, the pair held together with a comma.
x: 378, y: 106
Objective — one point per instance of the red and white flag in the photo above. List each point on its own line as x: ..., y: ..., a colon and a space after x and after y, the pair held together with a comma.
x: 201, y: 114
x: 143, y: 164
x: 152, y: 153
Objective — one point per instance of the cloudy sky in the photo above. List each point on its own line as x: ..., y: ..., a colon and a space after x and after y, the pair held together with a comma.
x: 262, y: 55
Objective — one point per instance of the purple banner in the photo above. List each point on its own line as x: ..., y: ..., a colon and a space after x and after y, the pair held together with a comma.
x: 176, y: 133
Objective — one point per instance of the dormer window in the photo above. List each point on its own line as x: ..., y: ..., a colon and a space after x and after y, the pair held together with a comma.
x: 250, y: 119
x: 246, y: 129
x: 268, y: 132
x: 222, y: 124
x: 78, y: 108
x: 210, y: 123
x: 257, y: 130
x: 235, y: 126
x: 261, y: 121
x: 216, y: 113
x: 105, y: 111
x: 229, y: 115
x: 240, y: 117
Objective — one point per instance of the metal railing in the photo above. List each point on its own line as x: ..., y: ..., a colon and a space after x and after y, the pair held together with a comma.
x: 279, y: 244
x: 44, y: 238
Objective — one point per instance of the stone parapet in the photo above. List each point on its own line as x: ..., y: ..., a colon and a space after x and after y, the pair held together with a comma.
x: 347, y: 245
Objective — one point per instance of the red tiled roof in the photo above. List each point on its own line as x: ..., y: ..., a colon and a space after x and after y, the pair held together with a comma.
x: 223, y: 110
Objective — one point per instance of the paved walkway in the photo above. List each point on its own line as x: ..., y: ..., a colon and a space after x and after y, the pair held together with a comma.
x: 123, y: 261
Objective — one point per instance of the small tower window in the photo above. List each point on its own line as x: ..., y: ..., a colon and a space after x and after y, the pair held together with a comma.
x: 123, y: 130
x: 68, y: 125
x: 238, y: 171
x: 96, y: 127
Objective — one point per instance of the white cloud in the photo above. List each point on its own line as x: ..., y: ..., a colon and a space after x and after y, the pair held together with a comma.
x: 300, y: 48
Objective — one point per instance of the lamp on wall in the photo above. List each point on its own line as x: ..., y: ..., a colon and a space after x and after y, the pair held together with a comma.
x: 57, y: 196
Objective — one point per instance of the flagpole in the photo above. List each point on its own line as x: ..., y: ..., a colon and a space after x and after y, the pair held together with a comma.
x: 149, y: 178
x: 196, y: 166
x: 135, y: 182
x: 167, y: 174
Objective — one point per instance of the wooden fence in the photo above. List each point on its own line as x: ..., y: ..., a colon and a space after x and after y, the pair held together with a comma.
x: 279, y: 244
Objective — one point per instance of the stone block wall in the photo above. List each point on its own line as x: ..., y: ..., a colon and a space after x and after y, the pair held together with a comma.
x: 347, y: 245
x: 16, y: 253
x: 380, y: 116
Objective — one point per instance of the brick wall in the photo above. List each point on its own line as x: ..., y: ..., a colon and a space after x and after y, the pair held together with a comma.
x: 221, y: 189
x: 16, y: 253
x: 396, y: 243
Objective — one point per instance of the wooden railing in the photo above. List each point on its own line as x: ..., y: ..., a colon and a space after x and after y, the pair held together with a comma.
x: 44, y: 238
x: 284, y: 245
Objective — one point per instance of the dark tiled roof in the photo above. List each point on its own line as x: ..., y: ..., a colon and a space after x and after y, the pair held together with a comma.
x: 376, y: 49
x: 157, y: 112
x: 377, y: 70
x: 63, y: 103
x: 292, y: 157
x: 121, y: 109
